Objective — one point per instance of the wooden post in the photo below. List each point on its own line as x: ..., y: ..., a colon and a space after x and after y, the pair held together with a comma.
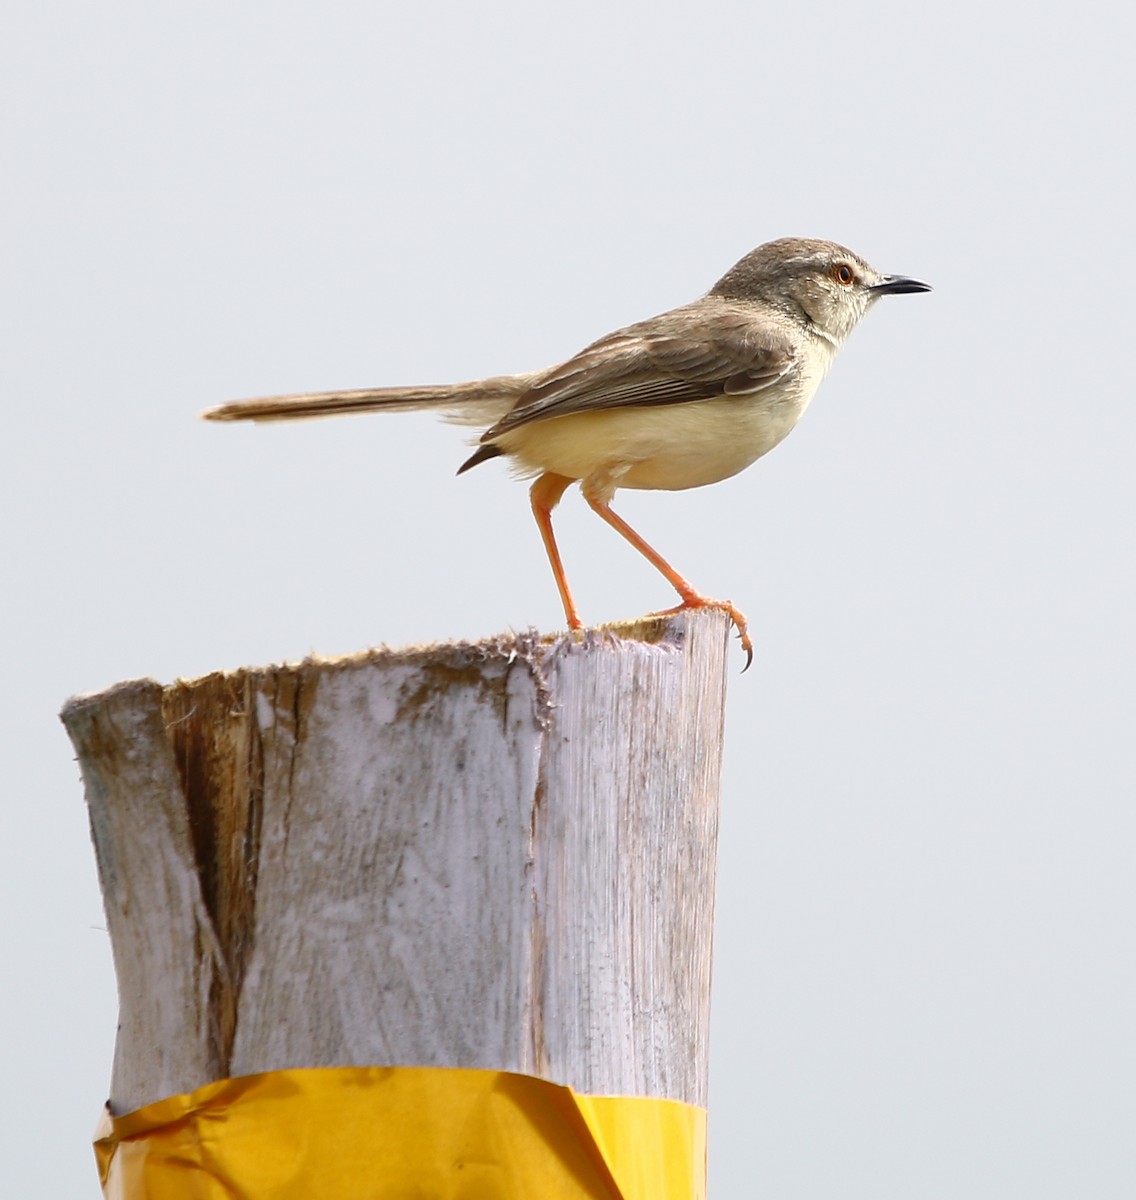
x: 498, y: 855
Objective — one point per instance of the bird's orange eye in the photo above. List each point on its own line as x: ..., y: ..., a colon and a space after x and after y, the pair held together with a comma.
x: 844, y: 274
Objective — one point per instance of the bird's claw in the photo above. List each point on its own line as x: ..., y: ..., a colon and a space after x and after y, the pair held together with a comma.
x: 735, y: 615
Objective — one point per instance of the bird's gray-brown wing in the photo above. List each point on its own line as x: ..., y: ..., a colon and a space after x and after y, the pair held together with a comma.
x: 694, y: 353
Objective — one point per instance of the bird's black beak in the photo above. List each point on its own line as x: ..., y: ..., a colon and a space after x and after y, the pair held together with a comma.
x: 897, y: 285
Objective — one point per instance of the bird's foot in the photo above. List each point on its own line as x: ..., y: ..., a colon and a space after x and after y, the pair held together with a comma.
x: 694, y: 600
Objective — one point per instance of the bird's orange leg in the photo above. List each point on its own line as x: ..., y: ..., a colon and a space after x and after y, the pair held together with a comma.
x: 690, y: 598
x: 544, y: 496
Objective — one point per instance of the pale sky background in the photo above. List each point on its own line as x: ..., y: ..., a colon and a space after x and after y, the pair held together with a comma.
x: 925, y: 966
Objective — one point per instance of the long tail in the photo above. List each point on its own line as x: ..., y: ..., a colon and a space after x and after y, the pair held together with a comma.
x: 481, y: 402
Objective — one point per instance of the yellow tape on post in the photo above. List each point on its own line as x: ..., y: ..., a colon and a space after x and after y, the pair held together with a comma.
x: 402, y: 1132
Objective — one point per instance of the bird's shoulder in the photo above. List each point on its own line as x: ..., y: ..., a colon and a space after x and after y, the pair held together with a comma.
x: 712, y: 338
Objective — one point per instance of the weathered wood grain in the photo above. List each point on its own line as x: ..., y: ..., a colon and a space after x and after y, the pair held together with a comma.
x: 496, y: 855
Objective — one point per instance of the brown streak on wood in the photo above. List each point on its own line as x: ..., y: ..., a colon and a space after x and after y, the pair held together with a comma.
x: 435, y: 679
x: 216, y: 741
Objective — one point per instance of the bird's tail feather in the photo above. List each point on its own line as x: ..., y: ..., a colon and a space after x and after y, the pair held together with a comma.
x: 479, y: 403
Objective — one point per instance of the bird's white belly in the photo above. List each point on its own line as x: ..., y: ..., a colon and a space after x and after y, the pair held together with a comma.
x: 666, y: 447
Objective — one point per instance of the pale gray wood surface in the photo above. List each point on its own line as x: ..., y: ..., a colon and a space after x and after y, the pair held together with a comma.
x: 166, y: 957
x: 499, y: 855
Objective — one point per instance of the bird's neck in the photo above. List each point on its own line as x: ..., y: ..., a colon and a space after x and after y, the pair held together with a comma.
x: 823, y: 335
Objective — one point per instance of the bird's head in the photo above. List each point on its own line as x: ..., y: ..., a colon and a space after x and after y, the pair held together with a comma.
x: 821, y: 284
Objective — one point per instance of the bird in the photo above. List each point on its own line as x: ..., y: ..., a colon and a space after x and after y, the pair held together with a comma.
x: 681, y: 400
